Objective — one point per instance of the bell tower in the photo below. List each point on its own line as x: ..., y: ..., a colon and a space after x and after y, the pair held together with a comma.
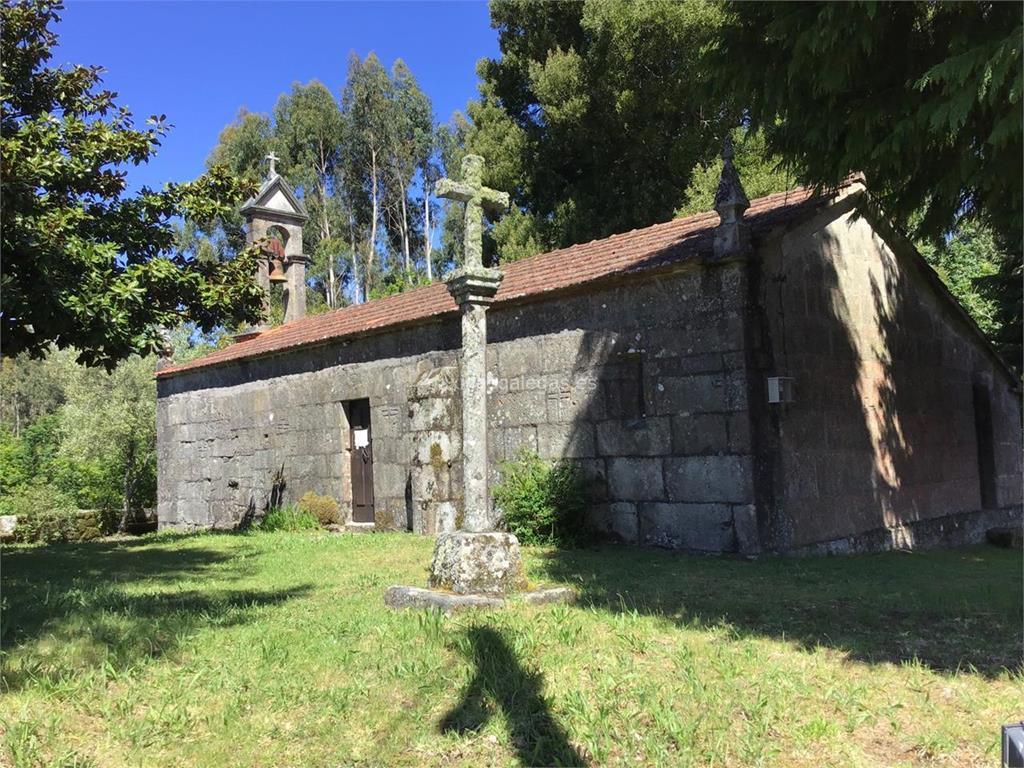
x: 275, y: 216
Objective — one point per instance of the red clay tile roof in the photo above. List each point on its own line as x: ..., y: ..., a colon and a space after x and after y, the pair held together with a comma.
x: 655, y: 246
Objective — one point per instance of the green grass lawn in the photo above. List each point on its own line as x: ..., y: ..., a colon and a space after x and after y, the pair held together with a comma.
x: 277, y: 650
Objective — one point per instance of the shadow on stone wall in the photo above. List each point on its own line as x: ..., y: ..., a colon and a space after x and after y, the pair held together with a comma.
x: 67, y: 596
x: 882, y: 432
x: 669, y: 394
x: 535, y: 735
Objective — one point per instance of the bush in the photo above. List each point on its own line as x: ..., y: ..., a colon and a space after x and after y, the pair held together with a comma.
x: 323, y: 508
x: 289, y: 518
x: 47, y: 527
x: 542, y: 503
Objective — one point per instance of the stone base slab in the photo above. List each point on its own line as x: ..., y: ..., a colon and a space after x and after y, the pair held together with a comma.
x: 415, y: 597
x: 477, y: 564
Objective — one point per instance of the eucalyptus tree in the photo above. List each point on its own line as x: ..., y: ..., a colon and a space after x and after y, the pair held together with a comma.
x: 367, y: 108
x: 309, y: 133
x: 241, y: 147
x: 411, y: 151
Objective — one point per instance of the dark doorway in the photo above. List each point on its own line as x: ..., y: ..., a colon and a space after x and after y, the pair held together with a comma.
x: 986, y: 446
x: 360, y: 443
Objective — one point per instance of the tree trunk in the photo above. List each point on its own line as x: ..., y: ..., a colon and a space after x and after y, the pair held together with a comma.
x: 375, y: 212
x: 355, y: 259
x: 325, y: 225
x: 127, y: 488
x: 405, y: 231
x: 325, y: 235
x: 426, y: 228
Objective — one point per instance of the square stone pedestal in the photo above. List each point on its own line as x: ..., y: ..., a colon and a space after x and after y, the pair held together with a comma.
x: 474, y: 570
x: 477, y: 563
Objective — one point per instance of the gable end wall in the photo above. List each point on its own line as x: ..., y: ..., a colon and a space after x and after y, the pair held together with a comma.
x: 880, y: 443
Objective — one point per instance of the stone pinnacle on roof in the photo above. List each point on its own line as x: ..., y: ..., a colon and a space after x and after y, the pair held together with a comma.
x: 732, y: 235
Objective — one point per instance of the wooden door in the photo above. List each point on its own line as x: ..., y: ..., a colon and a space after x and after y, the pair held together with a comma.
x: 361, y: 445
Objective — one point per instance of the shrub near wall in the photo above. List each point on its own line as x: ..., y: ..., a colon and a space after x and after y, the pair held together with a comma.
x: 323, y: 508
x: 289, y: 518
x: 541, y: 502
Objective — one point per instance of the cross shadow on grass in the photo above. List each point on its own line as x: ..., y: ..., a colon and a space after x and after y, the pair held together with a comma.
x: 948, y: 610
x: 114, y: 605
x: 501, y: 679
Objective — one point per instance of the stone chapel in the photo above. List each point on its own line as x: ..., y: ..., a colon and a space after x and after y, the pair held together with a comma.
x: 781, y: 375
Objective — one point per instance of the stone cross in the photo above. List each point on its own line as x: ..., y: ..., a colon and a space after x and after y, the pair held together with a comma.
x: 732, y: 235
x: 273, y: 159
x: 473, y: 287
x: 476, y: 196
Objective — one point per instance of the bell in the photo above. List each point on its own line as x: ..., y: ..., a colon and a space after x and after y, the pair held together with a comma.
x: 277, y: 274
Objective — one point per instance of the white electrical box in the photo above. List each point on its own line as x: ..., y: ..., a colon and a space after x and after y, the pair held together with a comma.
x: 780, y: 389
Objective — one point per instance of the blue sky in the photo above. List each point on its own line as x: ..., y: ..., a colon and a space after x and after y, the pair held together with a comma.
x: 199, y: 62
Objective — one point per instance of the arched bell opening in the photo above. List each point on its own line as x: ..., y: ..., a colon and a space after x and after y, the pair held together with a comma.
x: 274, y: 248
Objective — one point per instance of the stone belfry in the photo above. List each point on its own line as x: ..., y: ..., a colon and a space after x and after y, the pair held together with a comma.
x: 275, y: 216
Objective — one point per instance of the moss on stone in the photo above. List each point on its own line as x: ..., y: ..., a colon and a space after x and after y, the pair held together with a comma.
x: 436, y: 457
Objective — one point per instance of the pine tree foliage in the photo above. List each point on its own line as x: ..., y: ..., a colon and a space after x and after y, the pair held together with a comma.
x: 924, y: 98
x: 593, y: 117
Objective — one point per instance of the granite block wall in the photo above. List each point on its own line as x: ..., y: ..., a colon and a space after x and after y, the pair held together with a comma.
x: 882, y: 433
x: 225, y: 433
x: 640, y: 383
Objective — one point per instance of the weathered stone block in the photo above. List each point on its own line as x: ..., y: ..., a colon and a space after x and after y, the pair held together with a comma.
x: 507, y: 443
x: 565, y: 441
x: 651, y: 436
x: 681, y: 365
x: 699, y: 433
x: 516, y: 409
x: 435, y: 413
x: 389, y: 480
x: 438, y: 448
x: 618, y: 519
x: 477, y: 563
x: 739, y: 432
x: 691, y: 394
x: 635, y: 479
x: 709, y: 478
x: 744, y: 523
x: 624, y: 398
x: 596, y: 476
x: 704, y: 527
x: 415, y: 597
x: 736, y: 390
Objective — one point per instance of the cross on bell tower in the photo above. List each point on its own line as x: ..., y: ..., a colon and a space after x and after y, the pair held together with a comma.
x: 273, y: 168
